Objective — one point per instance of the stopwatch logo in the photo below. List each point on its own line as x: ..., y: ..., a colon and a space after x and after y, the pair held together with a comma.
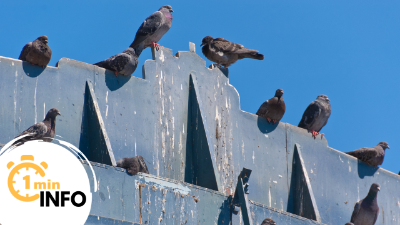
x: 29, y: 166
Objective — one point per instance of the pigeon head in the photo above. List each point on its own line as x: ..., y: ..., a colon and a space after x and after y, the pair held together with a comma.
x: 52, y: 114
x: 375, y: 187
x: 384, y: 145
x: 268, y: 221
x: 166, y: 8
x: 323, y: 98
x: 206, y: 40
x: 279, y: 93
x: 44, y: 39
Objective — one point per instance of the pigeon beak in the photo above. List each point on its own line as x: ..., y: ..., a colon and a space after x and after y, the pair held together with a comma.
x: 379, y: 188
x: 59, y: 114
x: 171, y: 10
x: 388, y: 147
x: 201, y: 44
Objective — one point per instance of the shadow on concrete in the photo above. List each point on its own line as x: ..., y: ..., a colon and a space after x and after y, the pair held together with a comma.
x: 264, y: 126
x: 364, y: 169
x: 224, y: 216
x: 113, y: 82
x: 32, y: 70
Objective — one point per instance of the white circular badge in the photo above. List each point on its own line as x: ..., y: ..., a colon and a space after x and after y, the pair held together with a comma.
x: 43, y: 183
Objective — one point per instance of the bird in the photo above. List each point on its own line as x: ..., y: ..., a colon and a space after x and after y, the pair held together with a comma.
x: 366, y: 211
x: 44, y: 130
x: 37, y: 52
x: 133, y: 165
x: 124, y: 63
x: 274, y: 108
x: 268, y: 221
x: 153, y: 28
x: 373, y: 156
x: 225, y: 53
x: 316, y: 115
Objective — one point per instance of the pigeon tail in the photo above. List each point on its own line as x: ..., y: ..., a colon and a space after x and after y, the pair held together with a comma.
x: 252, y: 55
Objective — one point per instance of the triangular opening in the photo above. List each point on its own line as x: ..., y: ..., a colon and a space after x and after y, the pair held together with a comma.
x: 199, y: 167
x: 94, y: 141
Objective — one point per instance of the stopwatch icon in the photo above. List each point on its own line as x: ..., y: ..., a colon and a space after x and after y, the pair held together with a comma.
x: 27, y: 166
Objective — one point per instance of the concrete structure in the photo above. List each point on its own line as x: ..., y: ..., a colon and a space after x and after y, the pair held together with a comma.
x: 185, y: 120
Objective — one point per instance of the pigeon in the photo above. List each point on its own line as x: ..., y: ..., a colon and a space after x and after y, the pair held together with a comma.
x: 366, y: 211
x: 133, y: 165
x: 372, y: 156
x: 124, y: 63
x: 44, y: 130
x: 316, y: 115
x: 225, y: 53
x: 274, y: 108
x: 268, y: 222
x: 153, y: 28
x: 37, y: 52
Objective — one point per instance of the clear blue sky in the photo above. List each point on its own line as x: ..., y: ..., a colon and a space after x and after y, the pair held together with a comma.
x: 348, y: 50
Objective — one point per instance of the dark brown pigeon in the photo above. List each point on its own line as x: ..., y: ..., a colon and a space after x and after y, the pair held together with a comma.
x: 366, y: 211
x: 274, y: 108
x: 268, y: 221
x: 373, y: 156
x: 225, y: 53
x: 124, y: 63
x: 37, y: 52
x: 153, y: 28
x: 44, y: 130
x: 133, y: 165
x: 316, y: 115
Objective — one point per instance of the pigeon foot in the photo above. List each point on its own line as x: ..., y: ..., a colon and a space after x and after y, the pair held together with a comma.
x: 155, y: 45
x: 274, y: 121
x: 116, y: 73
x: 269, y: 120
x: 314, y: 133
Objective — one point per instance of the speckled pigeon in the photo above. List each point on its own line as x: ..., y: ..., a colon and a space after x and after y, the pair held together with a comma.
x: 366, y: 211
x: 268, y: 221
x: 373, y: 156
x: 37, y: 52
x: 316, y: 115
x: 133, y: 164
x: 226, y: 53
x: 153, y: 28
x: 274, y: 108
x: 124, y: 63
x: 44, y: 130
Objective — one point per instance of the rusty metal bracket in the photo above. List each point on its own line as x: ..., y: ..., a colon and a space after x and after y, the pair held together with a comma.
x: 240, y: 199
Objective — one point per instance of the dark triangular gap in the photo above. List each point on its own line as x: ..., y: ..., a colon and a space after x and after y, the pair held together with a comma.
x: 199, y: 167
x: 301, y: 199
x: 93, y: 142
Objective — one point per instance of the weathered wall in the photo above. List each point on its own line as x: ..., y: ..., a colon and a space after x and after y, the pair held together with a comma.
x: 185, y: 120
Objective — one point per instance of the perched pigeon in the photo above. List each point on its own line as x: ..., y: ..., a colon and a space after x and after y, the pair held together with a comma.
x: 226, y: 53
x: 366, y: 211
x: 153, y: 28
x: 316, y: 115
x: 124, y: 63
x: 372, y: 156
x: 268, y: 222
x: 44, y: 130
x: 37, y: 52
x: 133, y: 165
x: 274, y: 108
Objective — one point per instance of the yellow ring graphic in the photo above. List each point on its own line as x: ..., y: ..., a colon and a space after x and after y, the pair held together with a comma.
x: 15, y: 170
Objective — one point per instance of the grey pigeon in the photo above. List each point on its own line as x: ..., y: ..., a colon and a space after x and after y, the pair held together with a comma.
x: 268, y: 221
x: 153, y: 28
x: 124, y: 63
x: 372, y: 156
x: 316, y: 115
x: 366, y: 211
x: 44, y: 130
x: 226, y: 53
x: 274, y: 108
x: 37, y: 52
x: 133, y: 165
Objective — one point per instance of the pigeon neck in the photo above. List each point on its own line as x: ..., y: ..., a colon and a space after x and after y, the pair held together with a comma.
x: 51, y: 120
x: 371, y: 197
x: 167, y: 14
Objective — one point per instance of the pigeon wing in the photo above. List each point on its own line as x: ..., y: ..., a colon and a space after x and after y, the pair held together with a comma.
x: 357, y: 208
x: 222, y: 45
x: 119, y: 62
x: 263, y: 109
x: 35, y: 132
x: 364, y: 154
x: 148, y: 28
x: 311, y: 113
x: 25, y: 51
x: 143, y: 164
